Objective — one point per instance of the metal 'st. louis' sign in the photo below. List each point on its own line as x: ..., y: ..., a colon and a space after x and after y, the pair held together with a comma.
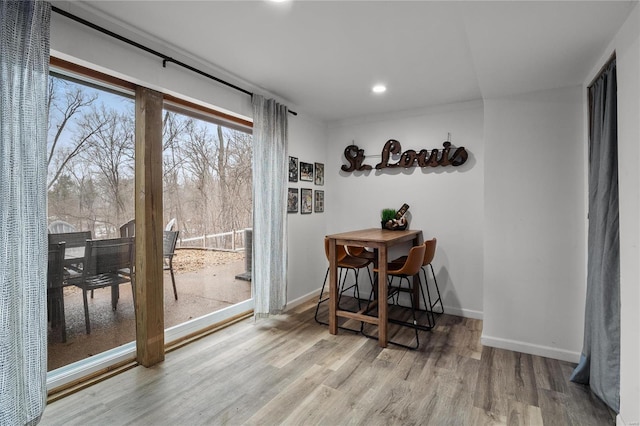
x: 408, y: 158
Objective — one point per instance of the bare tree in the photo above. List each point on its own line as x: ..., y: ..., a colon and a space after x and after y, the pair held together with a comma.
x: 110, y: 152
x: 224, y: 213
x: 198, y: 154
x: 206, y: 167
x: 233, y: 167
x: 66, y: 102
x: 174, y: 127
x: 241, y: 177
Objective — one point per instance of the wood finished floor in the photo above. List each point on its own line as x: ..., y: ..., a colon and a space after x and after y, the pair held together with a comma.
x: 288, y: 370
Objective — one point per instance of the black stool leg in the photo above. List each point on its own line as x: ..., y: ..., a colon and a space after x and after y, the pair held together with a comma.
x: 320, y: 297
x: 341, y: 283
x: 439, y: 299
x: 427, y: 305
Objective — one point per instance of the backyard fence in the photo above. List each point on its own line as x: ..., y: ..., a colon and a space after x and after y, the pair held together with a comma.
x: 235, y: 241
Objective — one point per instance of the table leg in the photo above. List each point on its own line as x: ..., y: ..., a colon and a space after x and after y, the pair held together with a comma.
x: 416, y: 291
x: 333, y: 288
x: 382, y: 297
x: 416, y: 280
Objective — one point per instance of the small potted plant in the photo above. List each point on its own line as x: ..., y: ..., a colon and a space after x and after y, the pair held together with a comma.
x: 395, y: 220
x: 387, y: 216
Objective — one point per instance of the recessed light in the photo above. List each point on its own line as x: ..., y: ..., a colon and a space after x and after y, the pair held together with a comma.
x: 379, y: 88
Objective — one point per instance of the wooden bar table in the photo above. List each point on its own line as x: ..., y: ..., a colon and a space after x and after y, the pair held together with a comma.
x: 380, y: 240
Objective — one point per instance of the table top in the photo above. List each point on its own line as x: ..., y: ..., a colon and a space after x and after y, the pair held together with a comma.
x: 376, y: 235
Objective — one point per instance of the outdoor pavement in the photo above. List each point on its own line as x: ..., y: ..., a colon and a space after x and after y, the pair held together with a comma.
x: 199, y: 292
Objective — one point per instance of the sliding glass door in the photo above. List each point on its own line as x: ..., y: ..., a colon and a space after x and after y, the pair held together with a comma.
x: 90, y: 195
x: 207, y: 201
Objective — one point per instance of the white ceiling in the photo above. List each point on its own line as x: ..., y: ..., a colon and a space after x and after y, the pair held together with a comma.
x: 322, y: 57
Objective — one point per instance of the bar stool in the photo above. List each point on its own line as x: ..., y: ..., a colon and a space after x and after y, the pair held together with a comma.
x: 431, y: 306
x: 408, y: 269
x: 428, y: 259
x: 345, y: 263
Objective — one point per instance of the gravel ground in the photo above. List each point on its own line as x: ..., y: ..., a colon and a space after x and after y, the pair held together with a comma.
x: 188, y: 260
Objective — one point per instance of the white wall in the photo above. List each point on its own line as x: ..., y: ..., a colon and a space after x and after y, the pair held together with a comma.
x: 306, y: 257
x: 628, y: 67
x: 445, y: 202
x: 534, y: 229
x: 626, y: 44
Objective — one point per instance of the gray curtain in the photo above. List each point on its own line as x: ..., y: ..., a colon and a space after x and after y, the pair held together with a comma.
x: 269, y: 280
x: 600, y: 361
x: 24, y: 70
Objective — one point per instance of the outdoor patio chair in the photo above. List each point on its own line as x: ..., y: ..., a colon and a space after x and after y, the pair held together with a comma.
x: 107, y: 263
x: 75, y: 243
x: 128, y: 229
x: 170, y: 225
x: 59, y: 226
x: 55, y: 283
x: 168, y: 251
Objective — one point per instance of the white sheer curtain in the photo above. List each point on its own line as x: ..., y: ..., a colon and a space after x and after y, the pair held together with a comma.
x: 24, y: 69
x: 269, y: 279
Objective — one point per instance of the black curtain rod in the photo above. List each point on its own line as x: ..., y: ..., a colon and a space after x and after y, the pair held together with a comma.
x: 603, y: 69
x: 164, y: 57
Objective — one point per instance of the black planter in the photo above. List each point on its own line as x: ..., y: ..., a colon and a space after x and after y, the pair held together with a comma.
x: 391, y: 226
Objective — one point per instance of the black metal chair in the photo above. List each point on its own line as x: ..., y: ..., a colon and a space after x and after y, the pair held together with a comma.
x: 168, y: 251
x: 171, y: 225
x: 75, y: 243
x: 107, y: 263
x: 55, y: 284
x: 60, y: 226
x: 128, y: 229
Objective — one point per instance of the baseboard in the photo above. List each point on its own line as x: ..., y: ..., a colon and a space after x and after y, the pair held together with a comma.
x: 459, y: 312
x: 529, y: 348
x: 466, y: 313
x: 621, y: 422
x: 291, y: 304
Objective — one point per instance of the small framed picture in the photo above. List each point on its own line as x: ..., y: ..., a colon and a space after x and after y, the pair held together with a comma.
x: 306, y: 172
x: 292, y: 200
x: 318, y: 202
x: 306, y: 201
x: 319, y: 174
x: 293, y: 169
